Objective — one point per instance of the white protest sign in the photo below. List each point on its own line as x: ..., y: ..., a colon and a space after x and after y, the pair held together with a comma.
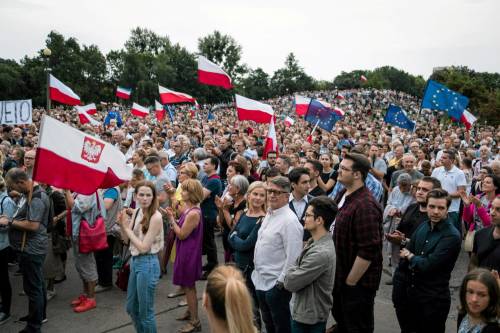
x: 16, y: 112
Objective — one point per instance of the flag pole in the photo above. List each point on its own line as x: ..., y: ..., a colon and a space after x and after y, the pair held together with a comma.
x: 314, y: 128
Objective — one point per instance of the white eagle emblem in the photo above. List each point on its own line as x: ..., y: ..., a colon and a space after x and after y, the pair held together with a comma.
x: 92, y: 150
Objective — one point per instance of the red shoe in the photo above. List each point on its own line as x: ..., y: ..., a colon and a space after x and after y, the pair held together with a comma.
x: 86, y: 305
x: 78, y: 301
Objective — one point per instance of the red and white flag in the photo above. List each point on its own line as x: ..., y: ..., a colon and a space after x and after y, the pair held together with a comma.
x: 159, y: 110
x: 467, y: 119
x: 271, y: 142
x: 139, y: 110
x: 339, y: 111
x: 289, y: 121
x: 168, y: 96
x: 340, y: 96
x: 211, y: 74
x: 61, y: 93
x: 301, y: 104
x: 363, y: 78
x: 80, y: 162
x: 123, y: 93
x: 248, y: 109
x: 89, y: 108
x: 84, y: 115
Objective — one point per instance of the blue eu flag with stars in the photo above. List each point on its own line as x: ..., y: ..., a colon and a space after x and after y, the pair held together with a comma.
x: 398, y: 117
x: 322, y: 114
x: 439, y: 97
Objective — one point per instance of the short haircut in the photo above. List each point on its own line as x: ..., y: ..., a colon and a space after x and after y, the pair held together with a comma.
x: 295, y: 174
x: 241, y: 182
x: 282, y: 182
x: 451, y: 153
x: 240, y: 169
x: 200, y: 154
x: 16, y: 175
x: 496, y: 182
x: 272, y: 172
x: 439, y: 193
x: 435, y: 182
x: 316, y: 165
x: 326, y: 208
x: 360, y: 163
x: 286, y: 159
x: 272, y: 152
x: 213, y: 160
x: 152, y: 160
x: 190, y: 168
x: 138, y: 173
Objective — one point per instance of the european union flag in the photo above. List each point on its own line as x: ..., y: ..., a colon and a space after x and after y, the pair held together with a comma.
x: 439, y: 97
x: 170, y: 109
x: 322, y: 114
x: 397, y: 117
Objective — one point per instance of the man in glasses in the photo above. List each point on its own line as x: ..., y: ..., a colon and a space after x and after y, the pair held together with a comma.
x: 279, y: 243
x: 357, y: 233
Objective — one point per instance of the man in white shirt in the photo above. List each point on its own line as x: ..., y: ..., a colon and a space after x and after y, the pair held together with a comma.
x: 453, y: 181
x: 279, y: 243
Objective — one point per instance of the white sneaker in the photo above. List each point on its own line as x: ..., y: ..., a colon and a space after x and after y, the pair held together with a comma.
x: 51, y: 294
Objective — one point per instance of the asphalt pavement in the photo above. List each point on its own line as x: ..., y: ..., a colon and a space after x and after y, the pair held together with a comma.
x: 110, y: 314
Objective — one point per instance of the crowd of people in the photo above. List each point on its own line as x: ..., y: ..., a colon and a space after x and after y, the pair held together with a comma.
x: 306, y: 230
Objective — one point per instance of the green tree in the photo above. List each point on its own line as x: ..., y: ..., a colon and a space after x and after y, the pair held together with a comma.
x: 291, y: 78
x: 256, y: 84
x: 12, y: 85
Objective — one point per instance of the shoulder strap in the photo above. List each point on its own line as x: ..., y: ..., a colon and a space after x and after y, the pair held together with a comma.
x: 1, y: 204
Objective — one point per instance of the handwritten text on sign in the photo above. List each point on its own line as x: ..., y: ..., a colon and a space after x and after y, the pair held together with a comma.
x: 15, y: 112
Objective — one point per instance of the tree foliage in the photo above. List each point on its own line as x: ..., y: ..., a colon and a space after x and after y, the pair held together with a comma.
x: 148, y: 59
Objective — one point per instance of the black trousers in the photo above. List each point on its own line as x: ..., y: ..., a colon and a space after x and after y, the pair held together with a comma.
x: 353, y: 309
x: 416, y: 313
x: 5, y: 288
x: 104, y: 263
x: 274, y: 306
x: 34, y: 287
x: 209, y: 246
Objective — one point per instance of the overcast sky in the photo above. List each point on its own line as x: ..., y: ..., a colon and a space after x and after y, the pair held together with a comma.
x: 326, y: 36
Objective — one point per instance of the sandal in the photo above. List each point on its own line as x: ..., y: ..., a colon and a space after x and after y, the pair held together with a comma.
x: 185, y: 316
x: 192, y: 326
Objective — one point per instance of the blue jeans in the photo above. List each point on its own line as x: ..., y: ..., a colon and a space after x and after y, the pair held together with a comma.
x: 275, y: 309
x: 34, y: 287
x: 144, y: 275
x: 308, y: 328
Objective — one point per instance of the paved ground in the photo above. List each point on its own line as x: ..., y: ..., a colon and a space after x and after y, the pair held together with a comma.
x: 110, y: 315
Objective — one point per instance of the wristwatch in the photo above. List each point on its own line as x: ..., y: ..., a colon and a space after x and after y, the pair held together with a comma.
x: 404, y: 242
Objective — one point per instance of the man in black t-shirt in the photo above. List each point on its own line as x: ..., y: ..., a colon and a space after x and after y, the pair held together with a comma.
x: 315, y: 169
x: 486, y: 249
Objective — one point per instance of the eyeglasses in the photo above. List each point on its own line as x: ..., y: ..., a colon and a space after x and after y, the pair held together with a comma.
x: 308, y: 215
x: 275, y: 192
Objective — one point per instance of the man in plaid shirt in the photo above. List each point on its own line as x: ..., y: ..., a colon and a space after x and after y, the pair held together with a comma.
x: 357, y: 234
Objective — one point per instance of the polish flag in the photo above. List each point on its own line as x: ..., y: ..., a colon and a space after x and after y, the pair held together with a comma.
x: 340, y: 96
x: 301, y: 104
x: 89, y: 108
x: 271, y: 142
x: 61, y: 93
x: 363, y: 78
x: 80, y: 162
x: 289, y: 121
x: 339, y: 111
x: 211, y: 74
x: 249, y: 109
x: 168, y: 96
x: 467, y: 119
x: 84, y: 115
x: 139, y: 110
x: 123, y: 93
x: 159, y: 110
